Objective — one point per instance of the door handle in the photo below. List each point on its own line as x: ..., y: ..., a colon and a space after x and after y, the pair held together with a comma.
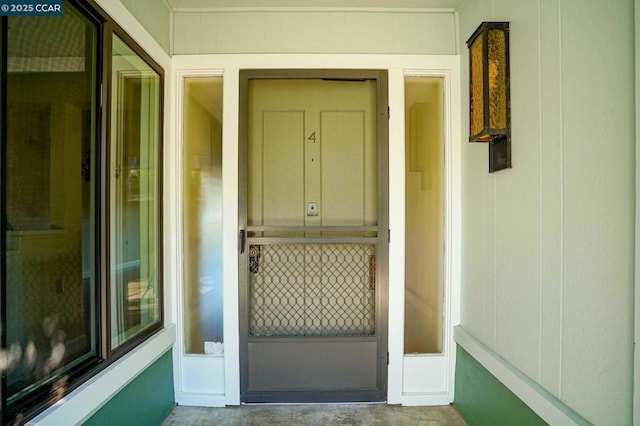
x: 242, y: 240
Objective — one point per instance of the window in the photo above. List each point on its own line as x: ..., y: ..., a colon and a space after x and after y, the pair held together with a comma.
x: 134, y: 190
x: 424, y: 218
x: 203, y: 215
x: 49, y: 278
x: 81, y: 202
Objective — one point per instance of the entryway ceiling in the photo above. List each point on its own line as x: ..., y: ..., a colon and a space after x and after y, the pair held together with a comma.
x: 367, y: 4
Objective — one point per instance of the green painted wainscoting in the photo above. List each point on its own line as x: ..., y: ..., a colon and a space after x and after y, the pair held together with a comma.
x: 147, y: 400
x: 482, y: 399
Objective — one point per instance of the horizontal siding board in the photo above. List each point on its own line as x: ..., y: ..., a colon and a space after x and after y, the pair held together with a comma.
x: 314, y: 31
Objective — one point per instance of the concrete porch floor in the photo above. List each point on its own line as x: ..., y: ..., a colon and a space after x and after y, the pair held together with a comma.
x: 321, y: 414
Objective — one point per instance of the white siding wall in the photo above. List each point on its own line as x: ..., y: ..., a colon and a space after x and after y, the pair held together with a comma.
x: 155, y: 16
x: 548, y: 246
x: 313, y: 31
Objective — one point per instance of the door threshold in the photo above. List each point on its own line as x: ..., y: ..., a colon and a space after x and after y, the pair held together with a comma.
x: 262, y: 404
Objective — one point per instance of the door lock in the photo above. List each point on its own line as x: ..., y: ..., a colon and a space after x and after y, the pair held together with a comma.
x: 242, y: 238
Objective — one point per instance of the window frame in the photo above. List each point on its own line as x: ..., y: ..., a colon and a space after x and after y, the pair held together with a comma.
x: 45, y: 395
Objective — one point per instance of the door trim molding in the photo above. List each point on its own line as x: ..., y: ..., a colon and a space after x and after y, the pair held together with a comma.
x: 229, y: 65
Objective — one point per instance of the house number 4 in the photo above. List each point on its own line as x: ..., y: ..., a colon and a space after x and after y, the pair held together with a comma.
x: 312, y: 137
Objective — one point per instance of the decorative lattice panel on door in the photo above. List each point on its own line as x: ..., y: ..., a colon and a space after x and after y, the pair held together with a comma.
x: 312, y: 290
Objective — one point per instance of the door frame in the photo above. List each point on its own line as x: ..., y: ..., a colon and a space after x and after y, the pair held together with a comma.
x: 215, y: 381
x: 382, y: 251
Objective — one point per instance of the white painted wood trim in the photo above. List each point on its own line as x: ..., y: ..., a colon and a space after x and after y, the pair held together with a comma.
x: 313, y: 61
x: 426, y: 399
x: 543, y: 403
x: 201, y: 400
x: 453, y: 115
x: 177, y: 182
x: 87, y: 399
x: 452, y: 234
x: 173, y: 170
x: 230, y: 261
x: 313, y: 9
x: 397, y: 243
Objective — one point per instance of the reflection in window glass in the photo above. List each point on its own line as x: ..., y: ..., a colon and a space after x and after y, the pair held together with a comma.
x: 50, y: 199
x: 424, y: 221
x: 134, y: 196
x: 203, y: 215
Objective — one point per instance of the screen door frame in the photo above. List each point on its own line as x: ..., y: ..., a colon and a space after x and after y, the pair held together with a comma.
x: 382, y: 291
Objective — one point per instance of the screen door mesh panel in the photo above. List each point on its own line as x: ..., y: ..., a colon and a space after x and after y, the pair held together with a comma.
x: 299, y: 290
